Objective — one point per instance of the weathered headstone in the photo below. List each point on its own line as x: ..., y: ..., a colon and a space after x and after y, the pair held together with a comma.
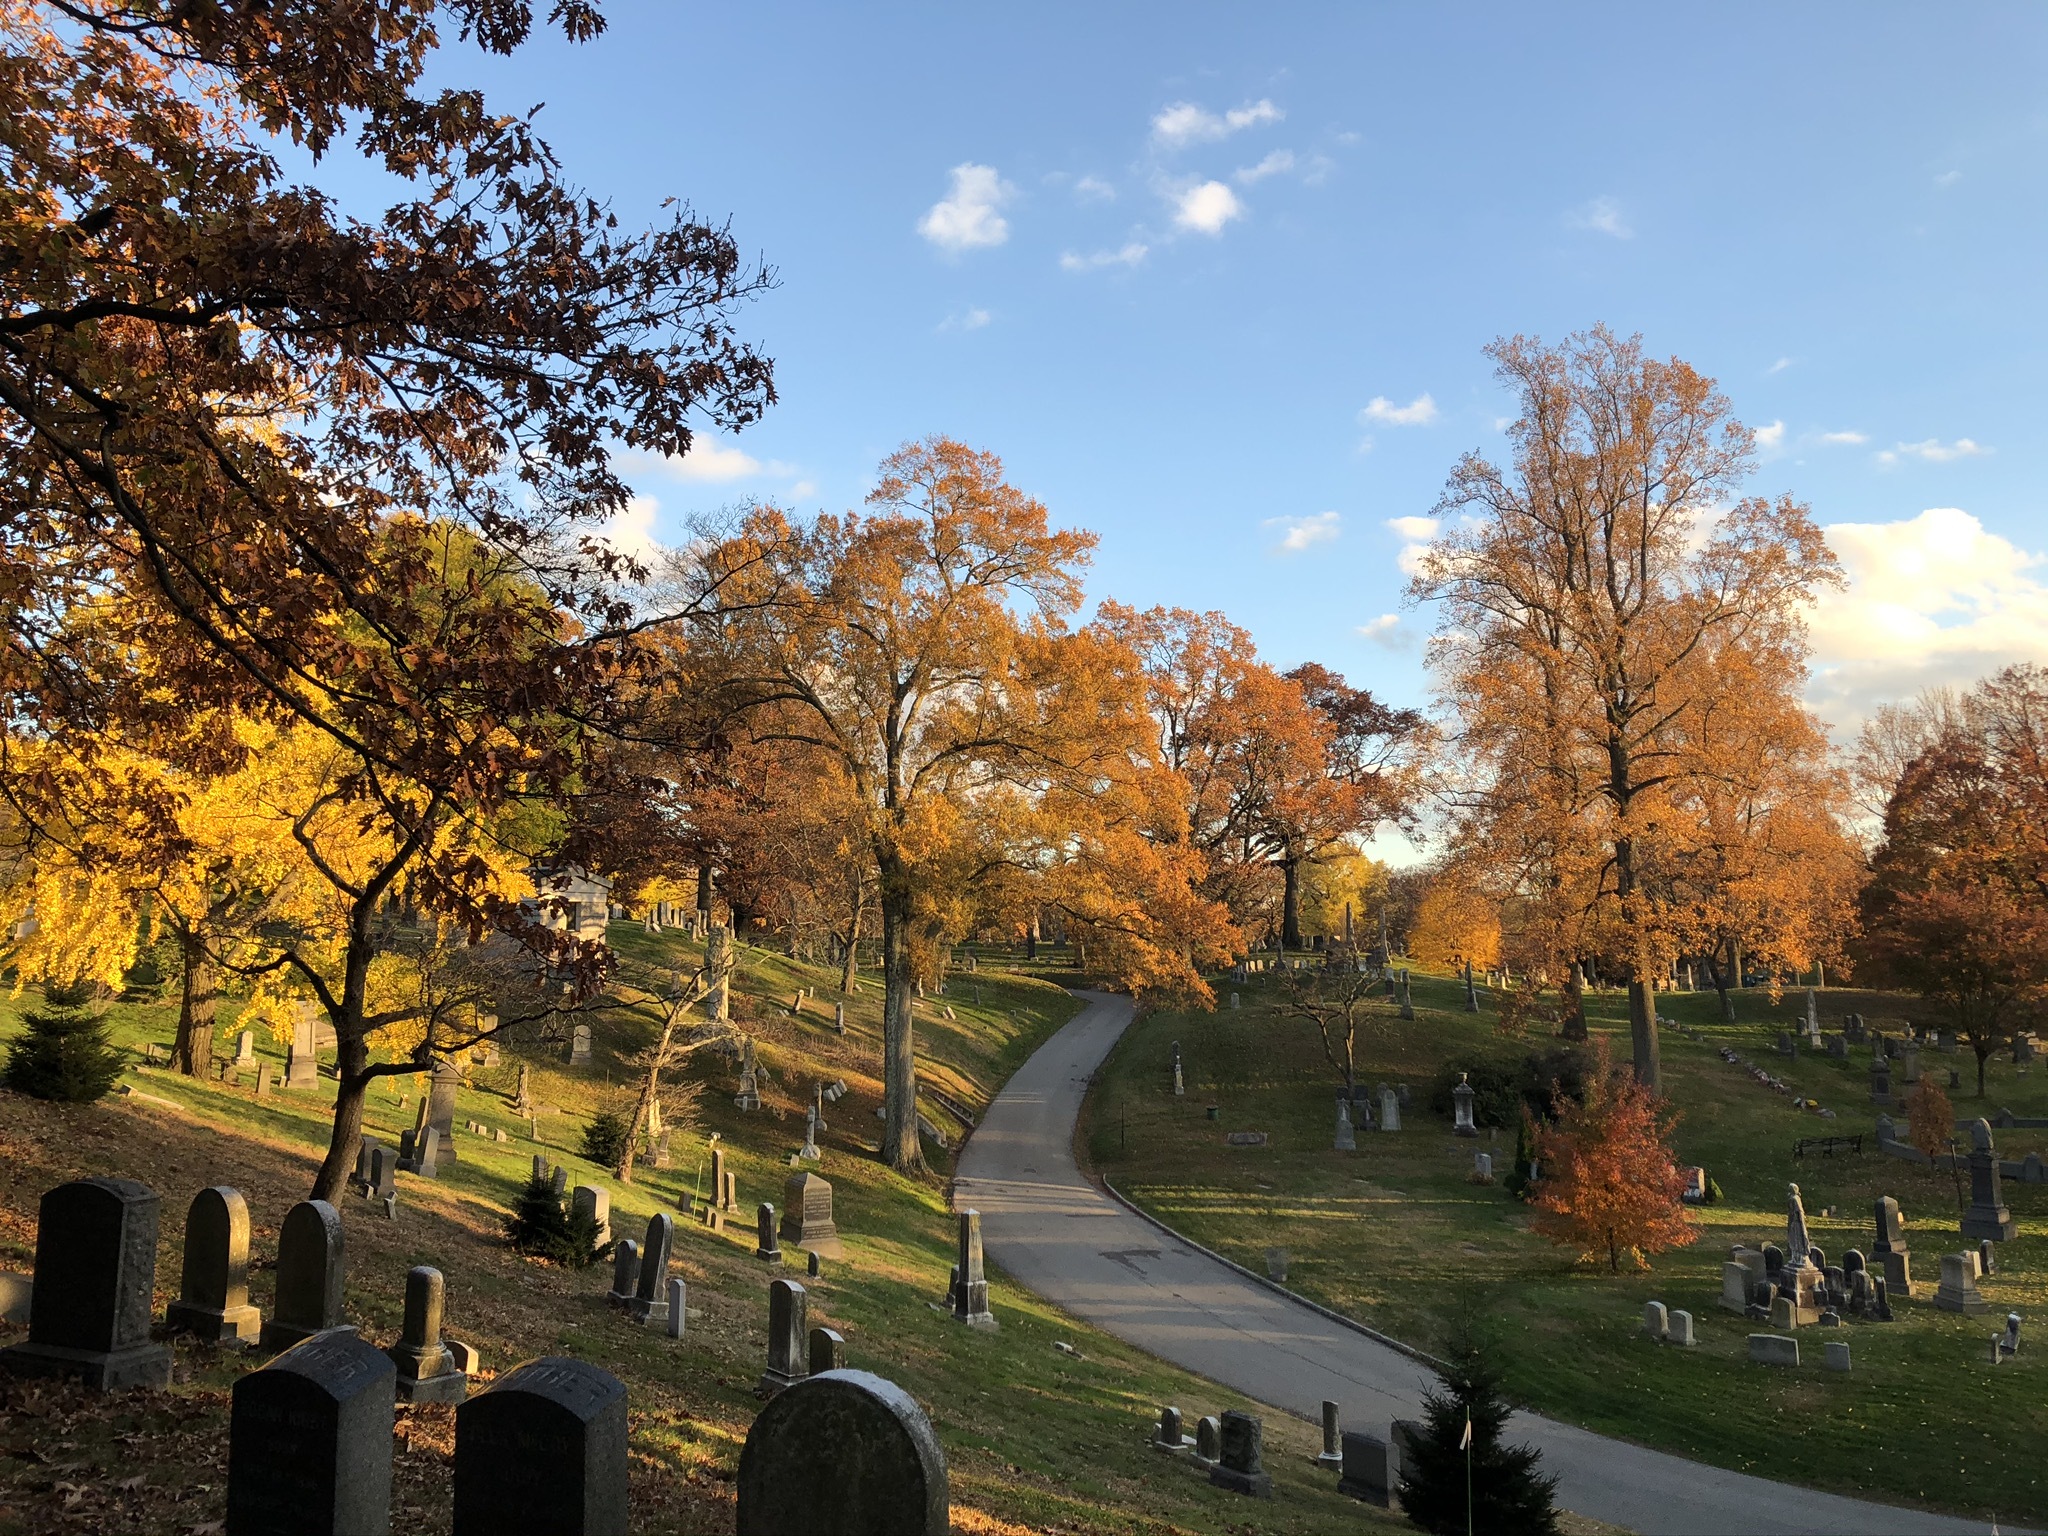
x: 94, y: 1295
x: 1390, y: 1110
x: 678, y: 1306
x: 649, y: 1302
x: 788, y: 1334
x: 1372, y: 1469
x: 1681, y: 1331
x: 807, y: 1216
x: 1772, y: 1349
x: 245, y: 1048
x: 311, y: 1265
x: 625, y: 1273
x: 263, y: 1088
x: 1880, y: 1081
x: 1987, y: 1216
x: 579, y: 1046
x: 828, y: 1350
x: 766, y: 1247
x: 301, y: 1061
x: 426, y: 1367
x: 1461, y: 1106
x: 1735, y: 1287
x: 842, y: 1454
x: 309, y: 1442
x: 1208, y: 1439
x: 213, y: 1294
x: 543, y: 1449
x: 1240, y: 1467
x: 1346, y: 1141
x: 588, y: 1200
x: 1333, y: 1436
x: 440, y: 1109
x: 970, y: 1296
x: 1958, y: 1289
x: 1656, y: 1321
x: 1168, y: 1435
x: 1836, y: 1356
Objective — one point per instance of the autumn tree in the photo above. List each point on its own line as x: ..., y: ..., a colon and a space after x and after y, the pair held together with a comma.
x: 1341, y: 998
x: 922, y: 649
x: 1956, y: 907
x: 1586, y: 590
x: 1609, y: 1183
x: 1930, y: 1117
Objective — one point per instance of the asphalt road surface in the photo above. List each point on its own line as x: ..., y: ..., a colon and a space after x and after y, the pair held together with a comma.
x: 1050, y: 1229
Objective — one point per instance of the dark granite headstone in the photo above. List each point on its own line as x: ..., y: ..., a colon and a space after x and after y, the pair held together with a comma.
x: 767, y: 1247
x: 828, y: 1350
x: 1987, y: 1216
x: 309, y: 1442
x: 426, y: 1368
x: 95, y: 1283
x: 807, y: 1216
x: 1372, y: 1469
x: 543, y: 1450
x: 1241, y: 1467
x: 213, y: 1295
x: 788, y: 1306
x: 310, y: 1267
x: 843, y: 1454
x: 649, y: 1303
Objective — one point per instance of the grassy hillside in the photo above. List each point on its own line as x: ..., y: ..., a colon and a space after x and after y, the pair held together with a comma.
x: 1394, y: 1232
x: 1037, y: 1439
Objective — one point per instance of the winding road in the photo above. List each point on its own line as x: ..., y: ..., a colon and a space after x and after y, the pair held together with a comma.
x: 1052, y: 1230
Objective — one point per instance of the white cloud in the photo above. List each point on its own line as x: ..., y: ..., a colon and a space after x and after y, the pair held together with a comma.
x: 1206, y: 206
x: 1416, y: 534
x: 1124, y: 256
x: 1932, y: 450
x: 1604, y: 216
x: 1770, y: 438
x: 1780, y: 365
x: 1383, y: 631
x: 1930, y: 600
x: 802, y: 489
x: 1419, y: 412
x: 1301, y: 533
x: 1186, y: 123
x: 966, y: 320
x: 1090, y: 189
x: 1841, y: 439
x: 630, y: 531
x: 1948, y: 179
x: 967, y: 217
x: 708, y: 462
x: 1275, y: 164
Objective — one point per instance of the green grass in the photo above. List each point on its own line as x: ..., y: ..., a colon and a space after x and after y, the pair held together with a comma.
x: 1392, y: 1233
x: 1035, y: 1438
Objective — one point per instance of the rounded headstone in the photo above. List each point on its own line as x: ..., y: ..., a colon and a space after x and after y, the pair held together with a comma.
x: 843, y: 1454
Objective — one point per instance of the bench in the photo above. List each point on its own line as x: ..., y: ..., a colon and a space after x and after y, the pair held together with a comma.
x: 1827, y: 1146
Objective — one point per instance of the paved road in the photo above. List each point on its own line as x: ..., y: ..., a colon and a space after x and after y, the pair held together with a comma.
x: 1051, y: 1230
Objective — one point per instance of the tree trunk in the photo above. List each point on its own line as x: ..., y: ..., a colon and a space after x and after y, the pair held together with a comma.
x: 1983, y: 1053
x: 704, y: 892
x: 1031, y: 939
x: 649, y: 1087
x: 1573, y: 1025
x: 1642, y: 1029
x: 900, y: 1148
x: 1721, y: 986
x: 849, y: 963
x: 1290, y: 902
x: 193, y: 1054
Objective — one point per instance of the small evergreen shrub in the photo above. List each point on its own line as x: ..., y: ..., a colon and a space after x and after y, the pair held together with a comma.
x: 540, y: 1226
x: 1507, y: 1493
x: 604, y: 1139
x: 63, y: 1055
x: 1714, y: 1195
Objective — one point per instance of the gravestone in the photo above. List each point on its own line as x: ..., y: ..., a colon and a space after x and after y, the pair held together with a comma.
x: 1736, y: 1286
x: 842, y: 1454
x: 1208, y: 1439
x: 522, y: 1100
x: 814, y: 1266
x: 245, y: 1048
x: 1656, y: 1321
x: 649, y: 1302
x: 1890, y: 1249
x: 1168, y: 1436
x: 788, y: 1330
x: 425, y: 1153
x: 213, y: 1294
x: 579, y: 1046
x: 1372, y: 1469
x: 382, y: 1184
x: 1681, y: 1332
x: 970, y: 1295
x: 678, y: 1306
x: 309, y: 1442
x: 588, y: 1200
x: 807, y: 1216
x: 766, y: 1248
x: 301, y: 1061
x: 1390, y: 1110
x: 94, y: 1294
x: 718, y: 1178
x: 1461, y: 1102
x: 1987, y: 1216
x: 426, y: 1367
x: 1880, y: 1081
x: 839, y: 1018
x: 1836, y: 1356
x: 440, y: 1109
x: 1332, y: 1454
x: 625, y: 1273
x: 828, y: 1350
x: 1240, y: 1467
x: 310, y: 1268
x: 1958, y: 1289
x: 1771, y: 1349
x: 1345, y: 1140
x: 543, y: 1449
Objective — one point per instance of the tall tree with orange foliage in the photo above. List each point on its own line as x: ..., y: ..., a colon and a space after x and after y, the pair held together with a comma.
x: 1585, y: 592
x: 923, y: 651
x: 1609, y: 1182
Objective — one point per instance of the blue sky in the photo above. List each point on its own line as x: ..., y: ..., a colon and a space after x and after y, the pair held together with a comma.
x: 1215, y: 281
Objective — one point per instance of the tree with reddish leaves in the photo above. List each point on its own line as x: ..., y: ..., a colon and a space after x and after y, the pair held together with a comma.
x: 1609, y: 1182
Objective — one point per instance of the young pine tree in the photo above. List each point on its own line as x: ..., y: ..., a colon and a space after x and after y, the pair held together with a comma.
x: 1509, y: 1497
x: 540, y: 1226
x: 64, y: 1055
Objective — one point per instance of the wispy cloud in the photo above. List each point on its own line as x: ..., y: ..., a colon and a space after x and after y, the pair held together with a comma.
x: 1948, y: 179
x: 1770, y: 438
x: 1186, y: 123
x: 1384, y: 631
x: 1277, y: 163
x: 1092, y: 189
x: 1123, y: 256
x: 1779, y: 366
x: 1416, y: 535
x: 1841, y: 439
x: 968, y: 217
x: 1930, y: 600
x: 1603, y: 215
x: 802, y: 489
x: 966, y: 320
x: 631, y: 529
x: 1381, y: 411
x: 709, y: 462
x: 1206, y: 207
x: 1932, y: 451
x: 1300, y: 533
